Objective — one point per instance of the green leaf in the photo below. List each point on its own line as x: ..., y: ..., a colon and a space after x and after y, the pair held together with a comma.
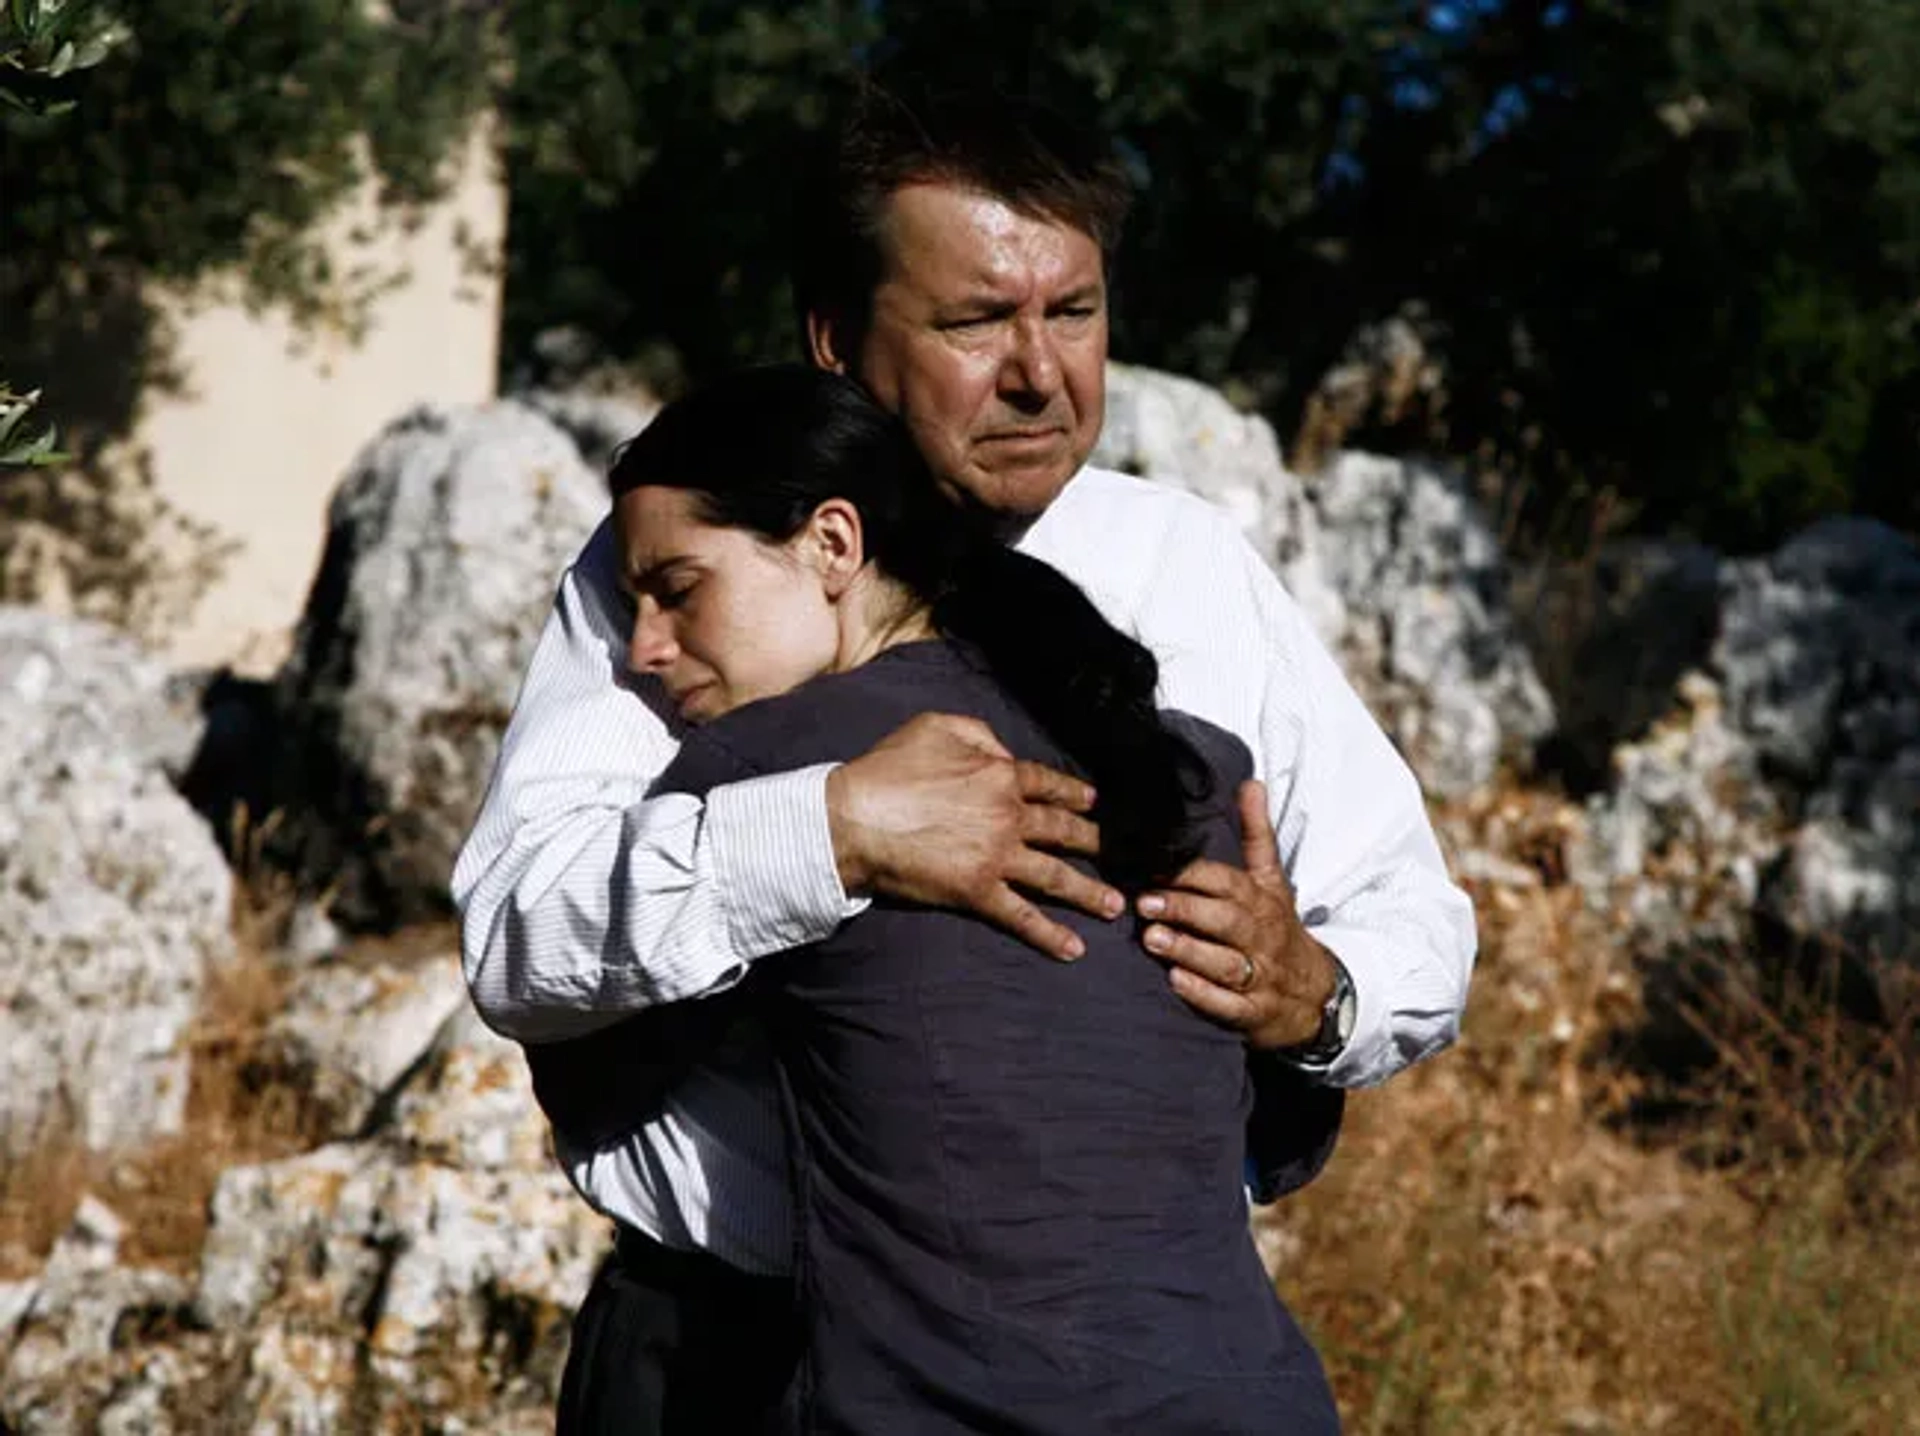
x: 36, y: 452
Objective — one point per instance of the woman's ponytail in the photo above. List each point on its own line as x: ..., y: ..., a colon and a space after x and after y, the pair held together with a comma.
x: 1093, y: 689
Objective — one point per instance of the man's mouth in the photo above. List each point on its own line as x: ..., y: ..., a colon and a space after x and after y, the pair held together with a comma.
x: 1023, y: 436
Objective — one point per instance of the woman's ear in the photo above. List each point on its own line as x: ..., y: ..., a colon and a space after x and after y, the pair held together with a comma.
x: 837, y: 545
x: 827, y: 340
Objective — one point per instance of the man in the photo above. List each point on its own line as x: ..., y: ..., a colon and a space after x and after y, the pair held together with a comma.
x: 954, y: 261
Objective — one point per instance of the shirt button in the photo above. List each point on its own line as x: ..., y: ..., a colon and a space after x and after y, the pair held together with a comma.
x: 1314, y: 916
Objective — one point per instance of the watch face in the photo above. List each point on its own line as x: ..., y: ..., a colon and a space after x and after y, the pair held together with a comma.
x: 1345, y: 1016
x: 1346, y: 1004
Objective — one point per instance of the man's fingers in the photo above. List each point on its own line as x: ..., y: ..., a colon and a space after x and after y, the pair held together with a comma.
x: 1212, y: 1000
x: 1259, y: 849
x: 1218, y: 919
x: 1055, y: 878
x: 1045, y: 826
x: 1205, y: 876
x: 1041, y: 784
x: 1006, y: 908
x: 971, y: 731
x: 1217, y: 963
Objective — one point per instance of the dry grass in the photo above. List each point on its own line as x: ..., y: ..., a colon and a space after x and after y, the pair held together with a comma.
x: 244, y: 1104
x: 1506, y: 1242
x: 1495, y: 1249
x: 241, y: 1107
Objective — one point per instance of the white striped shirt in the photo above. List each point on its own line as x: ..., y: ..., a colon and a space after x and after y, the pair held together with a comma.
x: 582, y: 901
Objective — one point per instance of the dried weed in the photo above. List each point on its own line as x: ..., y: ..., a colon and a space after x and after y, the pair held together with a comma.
x: 1494, y: 1249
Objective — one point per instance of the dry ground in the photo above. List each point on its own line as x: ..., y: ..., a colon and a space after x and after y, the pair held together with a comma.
x: 1501, y: 1244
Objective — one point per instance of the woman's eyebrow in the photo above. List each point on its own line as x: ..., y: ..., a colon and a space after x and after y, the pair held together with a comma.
x: 638, y: 578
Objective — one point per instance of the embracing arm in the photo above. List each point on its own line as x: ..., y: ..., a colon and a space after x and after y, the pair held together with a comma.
x: 1369, y: 881
x: 581, y: 899
x: 1348, y: 868
x: 1340, y: 863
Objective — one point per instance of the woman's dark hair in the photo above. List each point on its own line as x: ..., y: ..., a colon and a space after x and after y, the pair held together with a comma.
x: 762, y: 449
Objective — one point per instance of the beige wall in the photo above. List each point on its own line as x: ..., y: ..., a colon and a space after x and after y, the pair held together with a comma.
x: 270, y: 417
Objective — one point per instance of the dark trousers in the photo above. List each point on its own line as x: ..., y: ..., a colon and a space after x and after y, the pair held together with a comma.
x: 672, y: 1343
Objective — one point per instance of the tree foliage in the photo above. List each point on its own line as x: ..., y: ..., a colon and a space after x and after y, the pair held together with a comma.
x: 1667, y: 249
x: 1689, y: 269
x: 213, y: 140
x: 42, y: 42
x: 210, y: 141
x: 649, y: 150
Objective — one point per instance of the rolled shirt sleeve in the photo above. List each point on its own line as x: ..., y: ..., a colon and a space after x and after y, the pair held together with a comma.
x: 1368, y: 875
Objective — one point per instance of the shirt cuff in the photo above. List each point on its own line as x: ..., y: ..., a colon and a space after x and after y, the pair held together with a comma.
x: 1386, y: 1037
x: 772, y: 852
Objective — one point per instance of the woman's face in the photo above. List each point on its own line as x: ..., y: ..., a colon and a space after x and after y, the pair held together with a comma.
x: 722, y: 617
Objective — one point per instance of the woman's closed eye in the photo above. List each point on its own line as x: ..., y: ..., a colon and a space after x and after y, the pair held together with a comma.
x: 676, y: 595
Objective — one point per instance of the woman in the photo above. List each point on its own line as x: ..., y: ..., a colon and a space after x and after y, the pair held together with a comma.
x: 1017, y: 1183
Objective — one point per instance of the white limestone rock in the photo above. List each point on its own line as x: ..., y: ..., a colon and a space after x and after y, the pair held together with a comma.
x: 1679, y: 842
x: 445, y: 542
x: 1819, y: 652
x: 470, y: 1105
x: 431, y: 1269
x: 354, y: 1029
x: 598, y: 423
x: 114, y: 897
x: 1788, y: 779
x: 147, y: 1399
x: 1391, y: 560
x: 64, y: 1357
x: 1429, y: 637
x: 1181, y: 433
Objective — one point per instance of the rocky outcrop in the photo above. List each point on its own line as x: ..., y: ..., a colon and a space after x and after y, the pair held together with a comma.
x: 114, y: 897
x: 1181, y: 433
x: 1611, y: 634
x: 597, y: 422
x: 1429, y: 635
x: 63, y: 1357
x: 443, y: 548
x: 1680, y: 841
x: 420, y: 1268
x: 353, y: 1027
x: 420, y: 1278
x: 1392, y: 561
x: 1819, y: 652
x: 1791, y: 772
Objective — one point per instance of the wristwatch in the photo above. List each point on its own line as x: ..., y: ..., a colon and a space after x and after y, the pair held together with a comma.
x: 1336, y: 1023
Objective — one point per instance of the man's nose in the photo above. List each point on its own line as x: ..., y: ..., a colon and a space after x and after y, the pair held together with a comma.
x: 650, y: 647
x: 1032, y: 368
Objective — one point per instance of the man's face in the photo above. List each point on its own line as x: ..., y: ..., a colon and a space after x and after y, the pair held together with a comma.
x: 989, y: 338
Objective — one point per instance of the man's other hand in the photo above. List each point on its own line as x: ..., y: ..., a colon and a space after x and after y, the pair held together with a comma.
x: 1236, y: 945
x: 940, y: 813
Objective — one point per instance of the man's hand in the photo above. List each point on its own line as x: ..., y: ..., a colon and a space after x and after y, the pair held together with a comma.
x: 938, y: 812
x: 1236, y: 945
